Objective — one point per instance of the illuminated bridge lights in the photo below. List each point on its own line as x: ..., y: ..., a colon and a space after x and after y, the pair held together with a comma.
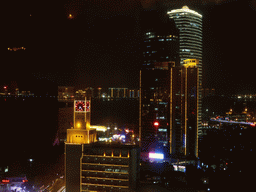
x: 230, y: 121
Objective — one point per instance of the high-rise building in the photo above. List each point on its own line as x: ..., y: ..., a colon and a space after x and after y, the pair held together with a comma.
x: 169, y: 100
x: 189, y: 23
x: 160, y: 50
x: 184, y: 104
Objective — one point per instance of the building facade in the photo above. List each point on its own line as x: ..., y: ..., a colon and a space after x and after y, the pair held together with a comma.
x: 189, y: 23
x: 169, y: 109
x: 184, y: 102
x: 160, y: 49
x: 97, y: 166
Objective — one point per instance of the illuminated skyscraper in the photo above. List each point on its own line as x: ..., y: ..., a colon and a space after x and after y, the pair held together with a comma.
x: 160, y: 51
x: 184, y: 104
x: 189, y: 23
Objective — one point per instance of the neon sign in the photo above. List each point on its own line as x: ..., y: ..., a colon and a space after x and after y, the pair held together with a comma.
x: 156, y: 156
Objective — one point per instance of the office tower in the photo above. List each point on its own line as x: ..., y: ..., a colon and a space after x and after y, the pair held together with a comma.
x: 160, y: 50
x: 184, y: 113
x: 189, y: 23
x: 169, y: 109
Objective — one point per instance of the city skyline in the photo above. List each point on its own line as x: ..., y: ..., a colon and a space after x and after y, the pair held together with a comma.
x: 65, y: 51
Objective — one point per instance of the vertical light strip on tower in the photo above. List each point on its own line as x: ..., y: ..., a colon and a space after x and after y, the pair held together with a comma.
x: 186, y: 108
x: 197, y: 122
x: 140, y: 112
x: 171, y: 123
x: 85, y: 117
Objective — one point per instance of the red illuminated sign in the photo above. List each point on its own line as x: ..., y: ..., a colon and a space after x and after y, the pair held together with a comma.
x: 24, y: 181
x: 88, y: 106
x: 82, y: 106
x: 5, y: 181
x: 79, y: 106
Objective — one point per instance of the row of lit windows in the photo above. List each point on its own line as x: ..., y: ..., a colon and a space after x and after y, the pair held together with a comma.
x: 192, y: 24
x: 97, y: 171
x: 105, y: 168
x: 108, y: 156
x: 120, y: 161
x: 152, y: 33
x: 181, y: 17
x: 188, y: 29
x: 185, y: 44
x: 117, y: 170
x: 152, y: 36
x: 105, y: 178
x: 191, y: 41
x: 197, y: 22
x: 190, y: 46
x: 194, y: 51
x: 186, y: 18
x: 200, y: 60
x: 97, y: 164
x: 102, y: 185
x: 185, y: 56
x: 104, y: 174
x: 191, y: 35
x: 185, y: 29
x: 108, y: 183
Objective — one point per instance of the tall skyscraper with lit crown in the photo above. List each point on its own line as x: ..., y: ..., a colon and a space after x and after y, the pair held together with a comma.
x: 189, y: 23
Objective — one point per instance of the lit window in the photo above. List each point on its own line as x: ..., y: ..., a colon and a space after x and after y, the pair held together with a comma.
x: 160, y: 39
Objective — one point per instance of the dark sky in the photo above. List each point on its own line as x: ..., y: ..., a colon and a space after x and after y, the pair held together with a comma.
x: 99, y: 46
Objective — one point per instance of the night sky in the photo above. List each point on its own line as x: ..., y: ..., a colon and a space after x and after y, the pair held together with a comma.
x: 100, y: 45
